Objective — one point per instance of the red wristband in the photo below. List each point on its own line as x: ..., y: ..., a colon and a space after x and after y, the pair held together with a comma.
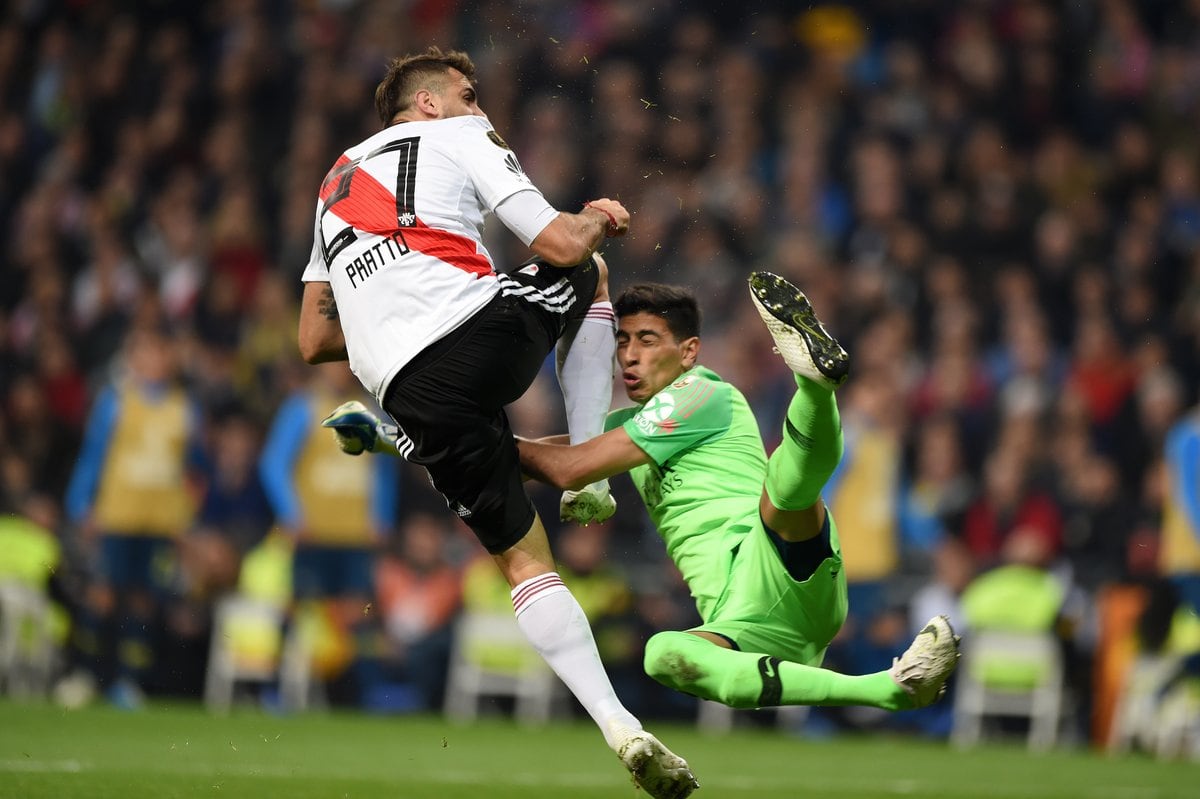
x: 613, y: 228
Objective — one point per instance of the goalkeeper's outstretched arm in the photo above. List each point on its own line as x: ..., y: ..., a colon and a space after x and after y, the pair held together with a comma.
x: 357, y: 430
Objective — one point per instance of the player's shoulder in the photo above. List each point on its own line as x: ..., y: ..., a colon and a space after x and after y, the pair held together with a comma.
x: 476, y: 134
x: 371, y: 143
x: 699, y: 380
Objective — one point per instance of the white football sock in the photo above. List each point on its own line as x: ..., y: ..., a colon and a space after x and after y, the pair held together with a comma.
x: 558, y: 629
x: 584, y: 363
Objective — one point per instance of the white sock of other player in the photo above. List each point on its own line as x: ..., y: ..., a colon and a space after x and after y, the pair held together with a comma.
x: 584, y: 359
x: 555, y: 624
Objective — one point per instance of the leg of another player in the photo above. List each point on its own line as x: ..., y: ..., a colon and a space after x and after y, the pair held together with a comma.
x: 584, y: 358
x: 555, y: 624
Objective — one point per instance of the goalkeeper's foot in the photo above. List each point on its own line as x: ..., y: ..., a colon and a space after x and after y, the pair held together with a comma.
x: 805, y: 344
x: 592, y: 503
x: 357, y: 430
x: 655, y: 769
x: 928, y: 662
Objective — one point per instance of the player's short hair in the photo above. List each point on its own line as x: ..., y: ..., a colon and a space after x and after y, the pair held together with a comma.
x: 675, y: 304
x: 407, y: 74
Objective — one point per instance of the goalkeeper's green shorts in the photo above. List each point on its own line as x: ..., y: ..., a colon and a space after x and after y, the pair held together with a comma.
x: 763, y: 609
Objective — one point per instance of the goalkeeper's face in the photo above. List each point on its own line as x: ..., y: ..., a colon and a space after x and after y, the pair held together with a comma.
x: 650, y: 356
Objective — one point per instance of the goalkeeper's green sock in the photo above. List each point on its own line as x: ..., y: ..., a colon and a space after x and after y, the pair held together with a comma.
x: 699, y: 667
x: 811, y: 448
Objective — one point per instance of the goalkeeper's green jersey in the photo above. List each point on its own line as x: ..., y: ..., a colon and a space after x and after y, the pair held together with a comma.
x: 703, y: 486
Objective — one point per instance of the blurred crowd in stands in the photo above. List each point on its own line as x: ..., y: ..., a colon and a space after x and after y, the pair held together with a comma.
x: 994, y: 204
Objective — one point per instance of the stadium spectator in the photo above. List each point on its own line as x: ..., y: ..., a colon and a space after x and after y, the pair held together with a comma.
x: 130, y: 499
x: 234, y: 514
x: 863, y: 495
x: 1180, y: 551
x: 420, y: 592
x: 400, y: 284
x: 1007, y: 505
x: 336, y: 513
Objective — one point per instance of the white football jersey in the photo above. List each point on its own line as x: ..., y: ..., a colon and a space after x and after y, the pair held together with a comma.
x: 398, y: 236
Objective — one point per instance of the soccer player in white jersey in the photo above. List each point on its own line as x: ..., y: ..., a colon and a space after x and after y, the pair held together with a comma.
x: 400, y: 284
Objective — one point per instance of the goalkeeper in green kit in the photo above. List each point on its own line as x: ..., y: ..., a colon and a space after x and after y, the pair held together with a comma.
x: 750, y: 534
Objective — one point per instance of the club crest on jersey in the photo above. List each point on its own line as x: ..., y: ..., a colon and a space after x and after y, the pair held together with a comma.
x: 655, y: 415
x: 496, y: 140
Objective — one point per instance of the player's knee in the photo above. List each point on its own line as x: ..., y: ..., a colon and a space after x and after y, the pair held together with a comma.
x: 601, y: 294
x: 670, y: 658
x: 662, y: 661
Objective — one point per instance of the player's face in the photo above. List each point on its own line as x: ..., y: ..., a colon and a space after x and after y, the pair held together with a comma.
x: 458, y: 99
x: 650, y: 356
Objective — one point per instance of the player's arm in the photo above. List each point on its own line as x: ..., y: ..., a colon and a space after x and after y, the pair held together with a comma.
x: 320, y: 335
x: 561, y: 440
x: 571, y: 467
x: 570, y: 238
x: 556, y: 237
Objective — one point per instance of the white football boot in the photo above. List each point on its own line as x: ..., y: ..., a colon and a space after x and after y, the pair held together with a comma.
x: 805, y: 344
x: 928, y: 662
x: 592, y: 503
x: 655, y: 769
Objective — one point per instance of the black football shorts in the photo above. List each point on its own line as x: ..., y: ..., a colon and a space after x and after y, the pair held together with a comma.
x: 449, y: 400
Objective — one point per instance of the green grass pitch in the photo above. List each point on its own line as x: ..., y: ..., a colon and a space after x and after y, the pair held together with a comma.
x: 180, y: 751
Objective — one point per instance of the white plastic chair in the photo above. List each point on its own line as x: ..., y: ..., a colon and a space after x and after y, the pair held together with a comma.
x: 490, y: 656
x: 248, y: 646
x: 986, y: 688
x: 27, y: 650
x: 1154, y: 717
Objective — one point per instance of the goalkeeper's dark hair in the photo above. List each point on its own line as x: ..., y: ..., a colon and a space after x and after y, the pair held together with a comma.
x: 675, y: 304
x: 410, y: 73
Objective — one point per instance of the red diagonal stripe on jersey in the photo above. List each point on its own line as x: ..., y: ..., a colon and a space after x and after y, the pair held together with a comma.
x: 371, y: 208
x: 693, y: 403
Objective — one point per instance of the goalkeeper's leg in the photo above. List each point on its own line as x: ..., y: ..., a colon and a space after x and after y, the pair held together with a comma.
x: 708, y: 668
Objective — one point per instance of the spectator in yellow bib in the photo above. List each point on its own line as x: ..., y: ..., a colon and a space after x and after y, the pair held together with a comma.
x: 129, y: 497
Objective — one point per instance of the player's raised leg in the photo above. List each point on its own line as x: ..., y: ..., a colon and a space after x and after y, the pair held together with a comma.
x: 584, y: 358
x: 811, y: 445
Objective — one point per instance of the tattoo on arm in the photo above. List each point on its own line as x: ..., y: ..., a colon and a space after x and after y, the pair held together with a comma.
x: 326, y: 305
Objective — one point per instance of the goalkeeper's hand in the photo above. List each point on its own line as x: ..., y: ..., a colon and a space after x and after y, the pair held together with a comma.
x: 357, y: 430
